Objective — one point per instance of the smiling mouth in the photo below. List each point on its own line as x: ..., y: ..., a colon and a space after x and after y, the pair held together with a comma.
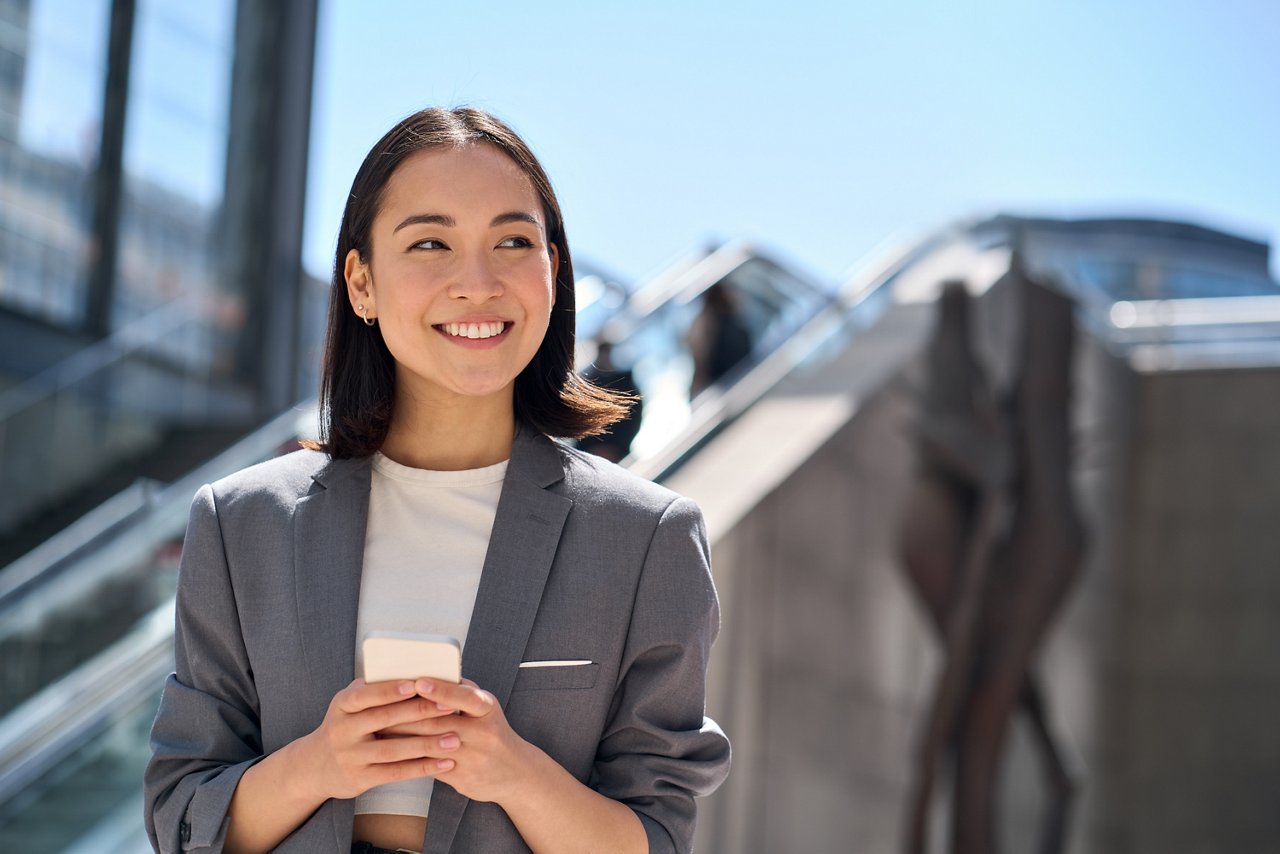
x: 473, y: 330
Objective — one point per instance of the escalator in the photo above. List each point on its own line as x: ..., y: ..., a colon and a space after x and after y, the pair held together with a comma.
x: 72, y: 753
x: 87, y: 626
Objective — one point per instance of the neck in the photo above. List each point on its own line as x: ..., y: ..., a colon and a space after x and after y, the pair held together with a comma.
x: 463, y: 433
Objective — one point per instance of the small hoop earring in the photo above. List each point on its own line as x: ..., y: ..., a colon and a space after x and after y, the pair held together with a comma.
x: 364, y: 315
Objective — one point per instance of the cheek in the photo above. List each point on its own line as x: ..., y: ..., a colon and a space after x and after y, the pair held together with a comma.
x: 540, y: 316
x: 539, y: 287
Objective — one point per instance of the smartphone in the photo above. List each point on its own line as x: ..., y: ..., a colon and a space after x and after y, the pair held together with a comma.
x: 406, y: 655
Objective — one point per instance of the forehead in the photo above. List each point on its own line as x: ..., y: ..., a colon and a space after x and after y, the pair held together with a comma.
x: 476, y: 177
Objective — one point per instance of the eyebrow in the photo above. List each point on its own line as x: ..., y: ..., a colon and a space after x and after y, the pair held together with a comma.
x: 449, y: 222
x: 514, y: 216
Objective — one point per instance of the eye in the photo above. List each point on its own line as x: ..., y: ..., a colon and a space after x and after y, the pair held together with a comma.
x: 429, y: 243
x: 516, y: 242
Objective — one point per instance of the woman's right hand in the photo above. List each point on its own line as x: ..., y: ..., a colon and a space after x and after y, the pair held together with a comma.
x: 346, y: 755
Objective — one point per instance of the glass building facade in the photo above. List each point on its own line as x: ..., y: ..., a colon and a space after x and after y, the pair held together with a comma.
x: 147, y: 147
x: 173, y: 177
x: 54, y: 62
x: 52, y: 76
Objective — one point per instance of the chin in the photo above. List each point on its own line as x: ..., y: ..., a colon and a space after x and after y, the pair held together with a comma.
x: 486, y: 389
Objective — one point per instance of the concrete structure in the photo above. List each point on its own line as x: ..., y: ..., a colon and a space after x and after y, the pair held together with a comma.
x: 1162, y: 672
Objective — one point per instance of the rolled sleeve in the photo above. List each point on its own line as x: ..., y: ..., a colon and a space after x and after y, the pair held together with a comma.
x: 206, y: 732
x: 659, y: 750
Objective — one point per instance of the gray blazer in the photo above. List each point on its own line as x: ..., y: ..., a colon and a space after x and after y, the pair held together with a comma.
x: 585, y: 562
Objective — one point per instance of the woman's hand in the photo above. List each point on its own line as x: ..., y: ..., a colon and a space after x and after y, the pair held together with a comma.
x: 374, y: 734
x: 347, y: 755
x: 475, y: 750
x: 472, y: 747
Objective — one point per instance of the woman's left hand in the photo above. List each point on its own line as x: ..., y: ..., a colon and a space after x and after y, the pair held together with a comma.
x: 550, y: 808
x: 489, y: 761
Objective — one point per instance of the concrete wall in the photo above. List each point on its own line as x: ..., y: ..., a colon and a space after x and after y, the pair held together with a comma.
x: 1190, y: 594
x: 1162, y: 672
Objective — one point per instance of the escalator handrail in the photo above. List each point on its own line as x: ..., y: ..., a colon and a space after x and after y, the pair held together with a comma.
x: 718, y: 406
x: 45, y: 728
x: 75, y: 554
x: 692, y: 280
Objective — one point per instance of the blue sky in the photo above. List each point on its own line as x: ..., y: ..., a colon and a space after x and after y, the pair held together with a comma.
x: 823, y: 129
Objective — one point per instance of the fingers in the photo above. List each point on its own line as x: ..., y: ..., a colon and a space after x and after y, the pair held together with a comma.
x: 466, y: 697
x: 414, y: 712
x: 391, y: 772
x: 361, y: 695
x: 365, y: 709
x: 386, y: 751
x: 379, y: 733
x: 435, y: 723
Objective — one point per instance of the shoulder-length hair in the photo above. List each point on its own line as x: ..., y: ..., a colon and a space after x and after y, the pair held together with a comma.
x: 357, y: 389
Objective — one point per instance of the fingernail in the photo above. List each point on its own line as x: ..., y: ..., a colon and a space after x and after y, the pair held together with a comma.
x: 449, y: 742
x: 406, y: 688
x: 441, y: 707
x: 425, y: 687
x: 444, y: 764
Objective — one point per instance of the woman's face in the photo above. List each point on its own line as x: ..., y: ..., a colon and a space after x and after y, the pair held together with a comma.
x: 460, y: 277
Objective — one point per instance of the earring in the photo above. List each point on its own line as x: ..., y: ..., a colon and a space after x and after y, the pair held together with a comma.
x: 364, y: 315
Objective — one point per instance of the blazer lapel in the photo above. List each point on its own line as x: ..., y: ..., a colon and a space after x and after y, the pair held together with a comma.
x: 522, y: 546
x: 329, y: 532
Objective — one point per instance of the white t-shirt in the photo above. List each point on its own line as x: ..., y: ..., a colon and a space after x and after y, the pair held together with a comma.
x: 424, y: 549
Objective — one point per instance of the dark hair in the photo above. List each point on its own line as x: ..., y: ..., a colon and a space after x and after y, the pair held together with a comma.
x: 357, y: 390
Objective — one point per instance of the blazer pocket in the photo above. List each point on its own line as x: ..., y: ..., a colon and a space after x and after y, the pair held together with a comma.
x: 556, y: 677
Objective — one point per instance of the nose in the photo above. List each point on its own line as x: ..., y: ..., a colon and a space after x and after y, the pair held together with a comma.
x: 476, y: 279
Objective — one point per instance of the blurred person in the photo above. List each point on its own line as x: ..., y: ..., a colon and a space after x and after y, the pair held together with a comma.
x: 605, y: 373
x: 437, y: 500
x: 718, y: 339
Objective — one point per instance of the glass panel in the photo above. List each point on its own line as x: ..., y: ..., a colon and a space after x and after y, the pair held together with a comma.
x: 1198, y: 282
x: 174, y: 164
x: 703, y: 340
x: 97, y: 616
x: 52, y: 76
x: 1153, y: 277
x: 91, y: 802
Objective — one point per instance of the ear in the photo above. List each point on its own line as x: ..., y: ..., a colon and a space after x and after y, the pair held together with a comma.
x: 555, y: 272
x: 359, y: 284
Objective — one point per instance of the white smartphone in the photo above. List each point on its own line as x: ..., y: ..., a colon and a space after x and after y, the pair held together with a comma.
x: 407, y: 655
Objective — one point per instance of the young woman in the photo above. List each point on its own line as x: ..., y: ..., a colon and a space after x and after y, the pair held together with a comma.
x: 437, y: 501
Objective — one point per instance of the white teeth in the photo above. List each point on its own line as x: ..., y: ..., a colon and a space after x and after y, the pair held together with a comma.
x: 474, y: 330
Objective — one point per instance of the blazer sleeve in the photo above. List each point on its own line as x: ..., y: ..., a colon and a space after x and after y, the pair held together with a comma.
x: 206, y: 732
x: 659, y: 750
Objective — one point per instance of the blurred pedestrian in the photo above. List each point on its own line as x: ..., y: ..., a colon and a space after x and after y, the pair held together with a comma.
x: 718, y: 340
x: 615, y: 444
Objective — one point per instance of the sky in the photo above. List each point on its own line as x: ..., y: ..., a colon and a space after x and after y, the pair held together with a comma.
x: 819, y: 130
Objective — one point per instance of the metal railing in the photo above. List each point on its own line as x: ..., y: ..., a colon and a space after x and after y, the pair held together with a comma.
x: 105, y: 403
x: 855, y: 306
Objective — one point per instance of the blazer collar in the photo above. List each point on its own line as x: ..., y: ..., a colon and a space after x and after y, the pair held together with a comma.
x: 329, y: 532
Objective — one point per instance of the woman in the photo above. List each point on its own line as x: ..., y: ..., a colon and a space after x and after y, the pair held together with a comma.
x: 436, y: 502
